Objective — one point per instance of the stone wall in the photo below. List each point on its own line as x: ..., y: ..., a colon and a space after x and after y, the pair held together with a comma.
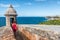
x: 27, y: 33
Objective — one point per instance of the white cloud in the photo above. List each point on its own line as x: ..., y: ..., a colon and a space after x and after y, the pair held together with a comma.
x: 58, y: 2
x: 4, y: 5
x: 16, y: 5
x: 29, y: 3
x: 7, y: 5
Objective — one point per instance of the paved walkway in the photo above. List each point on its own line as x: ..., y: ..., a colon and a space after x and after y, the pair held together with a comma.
x: 55, y: 28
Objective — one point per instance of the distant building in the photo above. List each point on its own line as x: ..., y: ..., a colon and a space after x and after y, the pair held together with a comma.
x: 53, y: 17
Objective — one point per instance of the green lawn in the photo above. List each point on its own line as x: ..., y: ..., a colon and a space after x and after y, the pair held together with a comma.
x: 51, y: 22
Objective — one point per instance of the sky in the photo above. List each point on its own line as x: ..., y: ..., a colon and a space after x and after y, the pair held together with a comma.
x: 29, y: 8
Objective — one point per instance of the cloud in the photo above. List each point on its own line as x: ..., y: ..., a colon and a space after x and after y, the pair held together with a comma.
x: 4, y: 5
x: 7, y: 5
x: 16, y: 5
x: 29, y: 3
x: 39, y: 0
x: 58, y: 2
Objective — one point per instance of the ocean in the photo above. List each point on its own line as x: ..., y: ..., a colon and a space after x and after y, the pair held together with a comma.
x: 24, y: 20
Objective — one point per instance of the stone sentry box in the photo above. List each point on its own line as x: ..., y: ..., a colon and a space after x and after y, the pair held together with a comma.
x: 10, y: 15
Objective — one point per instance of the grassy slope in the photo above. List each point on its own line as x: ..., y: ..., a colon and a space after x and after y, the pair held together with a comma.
x: 51, y: 22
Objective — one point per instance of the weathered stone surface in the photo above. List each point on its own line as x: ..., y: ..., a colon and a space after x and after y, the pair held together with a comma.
x: 7, y: 35
x: 37, y: 34
x: 27, y: 33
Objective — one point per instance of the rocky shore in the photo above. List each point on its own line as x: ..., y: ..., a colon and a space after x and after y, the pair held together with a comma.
x: 28, y: 33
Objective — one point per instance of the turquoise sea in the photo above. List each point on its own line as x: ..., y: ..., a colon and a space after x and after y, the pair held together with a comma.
x: 24, y: 20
